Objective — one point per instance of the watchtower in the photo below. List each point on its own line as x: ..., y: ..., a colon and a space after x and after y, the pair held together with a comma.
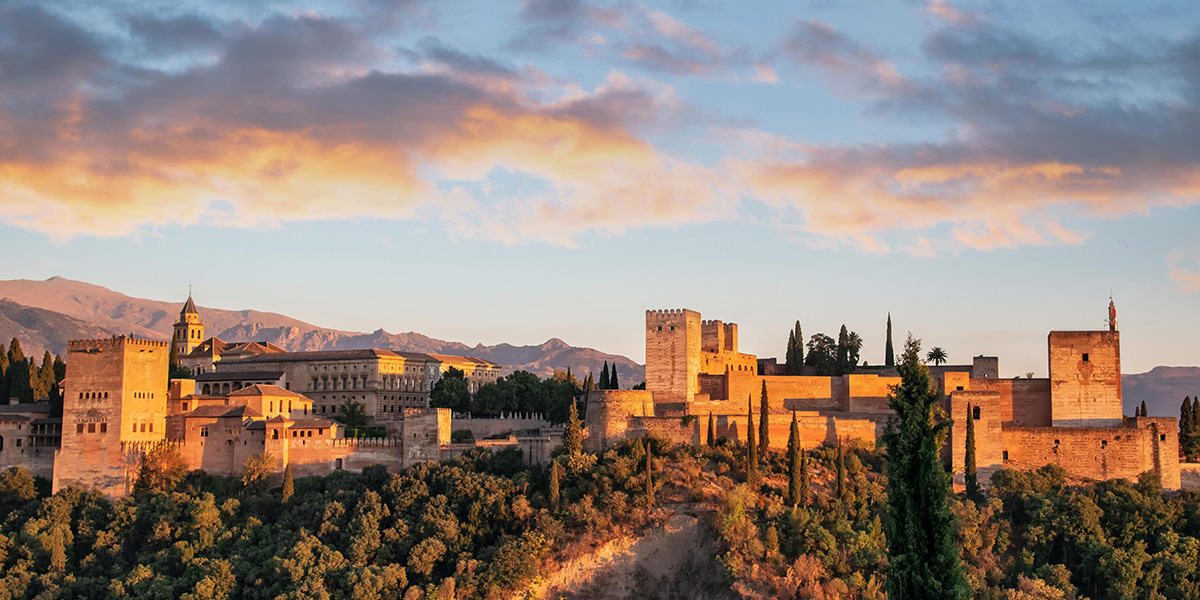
x: 673, y: 340
x: 189, y: 330
x: 115, y: 392
x: 1085, y: 378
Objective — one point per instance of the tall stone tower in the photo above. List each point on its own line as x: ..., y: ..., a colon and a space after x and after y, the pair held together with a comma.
x: 189, y: 330
x: 1085, y: 378
x: 673, y: 339
x: 115, y: 394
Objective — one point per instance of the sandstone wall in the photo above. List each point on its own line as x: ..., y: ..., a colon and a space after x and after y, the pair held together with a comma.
x: 815, y: 428
x: 483, y: 428
x: 1085, y: 378
x: 1097, y: 452
x: 989, y: 439
x: 608, y: 413
x: 672, y: 354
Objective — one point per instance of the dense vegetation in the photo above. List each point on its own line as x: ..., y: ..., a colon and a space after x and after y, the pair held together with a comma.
x: 519, y: 392
x: 22, y: 378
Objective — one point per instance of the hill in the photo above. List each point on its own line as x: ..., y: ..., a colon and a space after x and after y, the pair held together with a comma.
x: 1162, y: 388
x: 40, y: 330
x: 108, y: 311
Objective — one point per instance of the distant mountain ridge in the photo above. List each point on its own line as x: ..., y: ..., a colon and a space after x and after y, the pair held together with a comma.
x: 1162, y: 388
x: 66, y: 309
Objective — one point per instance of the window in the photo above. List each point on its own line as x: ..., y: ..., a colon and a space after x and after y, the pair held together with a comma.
x: 1055, y: 442
x: 1162, y: 437
x: 1006, y: 455
x: 975, y: 413
x: 185, y: 406
x: 104, y: 428
x: 1085, y: 357
x: 135, y: 427
x: 1103, y: 443
x: 91, y: 428
x: 151, y: 427
x: 79, y: 428
x: 143, y: 428
x: 959, y: 388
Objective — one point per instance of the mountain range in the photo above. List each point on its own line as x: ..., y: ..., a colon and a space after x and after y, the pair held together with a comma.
x: 44, y: 315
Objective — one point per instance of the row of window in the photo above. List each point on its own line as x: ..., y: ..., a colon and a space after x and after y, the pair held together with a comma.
x: 93, y: 395
x: 91, y: 427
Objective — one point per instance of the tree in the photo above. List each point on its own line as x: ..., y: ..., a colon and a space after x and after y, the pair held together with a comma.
x: 795, y: 351
x: 555, y: 475
x: 288, y: 484
x: 451, y: 391
x: 162, y: 469
x: 889, y: 355
x: 712, y: 431
x: 923, y: 554
x: 751, y: 449
x: 936, y: 355
x: 604, y: 384
x: 972, y: 479
x: 45, y: 378
x: 351, y: 415
x: 794, y: 459
x: 613, y: 383
x: 841, y: 472
x: 649, y: 477
x: 842, y: 357
x: 1189, y: 437
x: 821, y: 354
x: 17, y: 376
x: 764, y: 422
x: 572, y: 439
x: 257, y: 471
x: 854, y: 344
x: 1144, y: 413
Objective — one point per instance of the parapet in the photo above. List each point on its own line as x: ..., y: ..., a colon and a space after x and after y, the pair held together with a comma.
x: 117, y: 342
x: 668, y: 314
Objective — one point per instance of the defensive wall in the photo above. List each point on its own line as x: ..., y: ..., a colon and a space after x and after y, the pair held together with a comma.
x: 608, y: 415
x: 1141, y: 444
x: 1085, y: 378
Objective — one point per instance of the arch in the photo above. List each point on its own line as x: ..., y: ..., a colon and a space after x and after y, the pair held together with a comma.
x: 274, y: 434
x: 207, y: 389
x: 1, y: 443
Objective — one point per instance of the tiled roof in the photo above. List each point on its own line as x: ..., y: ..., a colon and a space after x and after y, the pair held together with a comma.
x: 329, y: 355
x: 312, y: 423
x: 256, y: 425
x: 238, y: 376
x: 209, y: 348
x: 25, y: 408
x: 13, y: 418
x: 211, y: 411
x: 265, y: 390
x: 189, y: 308
x: 242, y: 411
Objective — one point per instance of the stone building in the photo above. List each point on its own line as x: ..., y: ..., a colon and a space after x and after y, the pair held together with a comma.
x: 1072, y: 418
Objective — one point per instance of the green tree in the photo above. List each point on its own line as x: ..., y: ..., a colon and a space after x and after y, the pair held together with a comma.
x: 649, y: 476
x: 972, y: 479
x: 751, y: 448
x: 613, y: 382
x: 889, y: 355
x: 936, y: 355
x: 162, y: 469
x: 794, y: 451
x: 351, y: 415
x: 46, y: 383
x: 764, y: 421
x: 555, y: 475
x: 572, y: 439
x: 795, y: 351
x: 923, y: 554
x: 17, y: 376
x: 257, y: 471
x: 821, y: 354
x: 289, y: 486
x: 842, y: 491
x: 712, y: 431
x: 1188, y: 435
x: 1144, y: 413
x: 451, y: 391
x: 842, y: 358
x: 604, y: 384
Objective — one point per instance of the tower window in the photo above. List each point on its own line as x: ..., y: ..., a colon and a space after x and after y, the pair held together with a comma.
x: 1006, y: 455
x: 104, y: 428
x: 1085, y: 357
x: 1162, y: 437
x: 91, y: 428
x: 1103, y: 443
x: 975, y: 413
x: 79, y: 428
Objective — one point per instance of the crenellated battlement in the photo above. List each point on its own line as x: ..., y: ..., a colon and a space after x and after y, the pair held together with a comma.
x: 667, y: 314
x: 113, y: 343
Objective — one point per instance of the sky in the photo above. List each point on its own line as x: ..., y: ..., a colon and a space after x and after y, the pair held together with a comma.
x: 493, y: 172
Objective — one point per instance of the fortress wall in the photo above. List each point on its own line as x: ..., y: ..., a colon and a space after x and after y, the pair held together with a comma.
x: 869, y: 393
x: 482, y: 428
x: 670, y: 428
x: 718, y: 363
x: 814, y: 428
x: 783, y: 392
x: 1092, y: 452
x: 1085, y: 378
x: 1163, y: 451
x: 1024, y: 402
x: 712, y: 386
x: 608, y: 413
x: 989, y: 439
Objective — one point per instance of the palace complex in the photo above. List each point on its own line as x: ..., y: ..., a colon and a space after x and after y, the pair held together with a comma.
x: 1073, y: 418
x: 253, y: 397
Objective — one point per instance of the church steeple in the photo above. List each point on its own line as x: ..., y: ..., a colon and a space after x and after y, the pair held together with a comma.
x: 189, y: 330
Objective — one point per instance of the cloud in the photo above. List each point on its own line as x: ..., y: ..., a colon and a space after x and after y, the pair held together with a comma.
x: 852, y: 66
x: 1183, y: 272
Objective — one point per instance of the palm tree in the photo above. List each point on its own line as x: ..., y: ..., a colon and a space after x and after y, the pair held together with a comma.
x: 936, y: 355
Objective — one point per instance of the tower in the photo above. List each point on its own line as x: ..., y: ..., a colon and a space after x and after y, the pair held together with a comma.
x: 1085, y: 377
x: 189, y: 330
x: 673, y: 341
x: 115, y: 397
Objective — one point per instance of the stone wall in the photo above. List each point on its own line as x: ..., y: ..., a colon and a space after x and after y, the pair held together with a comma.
x: 484, y: 428
x: 1085, y: 378
x: 816, y: 428
x: 672, y: 354
x: 989, y: 441
x: 608, y: 413
x: 1098, y: 452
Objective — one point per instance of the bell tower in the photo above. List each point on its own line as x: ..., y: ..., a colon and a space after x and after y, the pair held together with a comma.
x: 189, y: 330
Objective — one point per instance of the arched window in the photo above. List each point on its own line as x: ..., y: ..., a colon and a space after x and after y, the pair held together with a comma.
x: 975, y: 413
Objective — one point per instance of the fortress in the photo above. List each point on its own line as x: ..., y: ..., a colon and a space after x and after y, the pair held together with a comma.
x: 1073, y: 418
x: 119, y: 404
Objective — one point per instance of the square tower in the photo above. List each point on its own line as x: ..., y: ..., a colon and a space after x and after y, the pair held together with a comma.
x: 1085, y: 378
x: 115, y: 393
x: 673, y: 340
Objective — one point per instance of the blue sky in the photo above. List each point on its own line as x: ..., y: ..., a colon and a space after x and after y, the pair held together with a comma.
x: 489, y: 172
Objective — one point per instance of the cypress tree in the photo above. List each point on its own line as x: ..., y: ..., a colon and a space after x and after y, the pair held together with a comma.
x: 751, y: 449
x: 18, y: 375
x: 790, y: 356
x: 795, y: 356
x: 3, y: 375
x: 805, y: 484
x: 604, y: 377
x: 1144, y: 413
x: 288, y: 484
x: 764, y: 422
x: 1187, y: 429
x: 1194, y: 435
x: 794, y: 460
x: 554, y: 476
x: 45, y: 375
x: 889, y: 355
x: 649, y: 476
x: 572, y: 439
x: 712, y: 431
x: 843, y: 348
x: 841, y: 472
x: 613, y: 383
x: 923, y: 555
x: 972, y: 479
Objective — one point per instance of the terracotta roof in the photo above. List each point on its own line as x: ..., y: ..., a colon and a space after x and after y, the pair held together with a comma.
x: 312, y: 423
x: 13, y: 417
x: 211, y: 411
x: 278, y: 419
x: 25, y: 408
x: 256, y: 425
x: 213, y: 346
x: 242, y: 411
x: 265, y: 390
